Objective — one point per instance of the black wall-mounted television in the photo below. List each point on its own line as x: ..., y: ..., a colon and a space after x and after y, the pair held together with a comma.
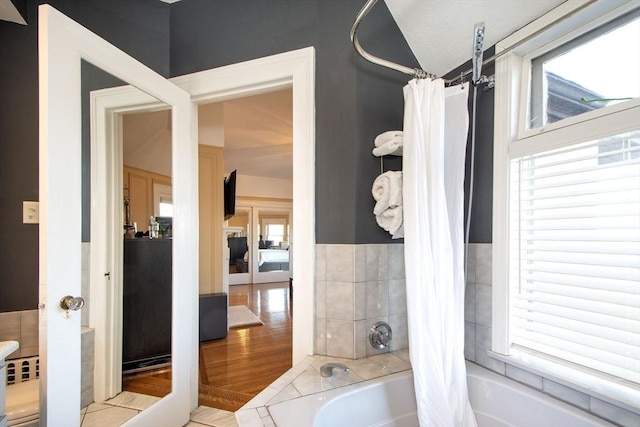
x: 230, y: 195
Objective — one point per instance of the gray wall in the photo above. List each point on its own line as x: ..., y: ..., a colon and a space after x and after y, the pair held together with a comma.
x: 140, y: 28
x: 482, y: 201
x: 18, y: 166
x: 355, y: 101
x: 93, y: 78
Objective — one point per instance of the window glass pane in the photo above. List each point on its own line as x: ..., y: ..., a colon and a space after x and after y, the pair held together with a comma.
x: 166, y: 209
x: 597, y: 70
x: 275, y: 233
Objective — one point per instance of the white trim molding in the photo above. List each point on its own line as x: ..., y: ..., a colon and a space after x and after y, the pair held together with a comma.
x: 294, y: 69
x: 290, y: 69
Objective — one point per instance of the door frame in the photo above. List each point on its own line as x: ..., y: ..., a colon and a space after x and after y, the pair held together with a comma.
x: 63, y: 43
x: 294, y: 69
x: 106, y: 109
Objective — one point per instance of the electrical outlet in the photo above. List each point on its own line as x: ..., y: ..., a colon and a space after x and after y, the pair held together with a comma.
x: 30, y: 212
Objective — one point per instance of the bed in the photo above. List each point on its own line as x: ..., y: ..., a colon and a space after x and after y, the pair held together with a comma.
x: 273, y: 260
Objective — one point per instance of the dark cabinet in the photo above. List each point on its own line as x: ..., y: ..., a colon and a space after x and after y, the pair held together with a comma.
x: 146, y: 313
x: 237, y: 248
x: 213, y: 316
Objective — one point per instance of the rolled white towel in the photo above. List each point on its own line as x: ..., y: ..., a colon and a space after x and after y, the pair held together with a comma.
x: 391, y: 220
x: 387, y: 136
x: 387, y: 191
x: 381, y: 191
x: 392, y: 146
x: 399, y: 234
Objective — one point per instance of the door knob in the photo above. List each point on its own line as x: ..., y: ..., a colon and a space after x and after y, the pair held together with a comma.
x: 71, y: 303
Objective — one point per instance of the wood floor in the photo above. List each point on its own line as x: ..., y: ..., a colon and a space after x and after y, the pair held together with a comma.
x: 235, y: 369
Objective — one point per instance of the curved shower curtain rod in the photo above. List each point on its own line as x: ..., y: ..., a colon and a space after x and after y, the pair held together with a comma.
x: 422, y: 74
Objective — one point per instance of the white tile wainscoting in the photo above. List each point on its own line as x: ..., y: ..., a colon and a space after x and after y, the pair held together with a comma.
x: 357, y: 285
x: 21, y: 326
x: 478, y: 305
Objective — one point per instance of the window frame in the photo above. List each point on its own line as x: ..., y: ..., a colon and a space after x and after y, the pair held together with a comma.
x: 162, y: 193
x: 269, y: 219
x: 269, y: 236
x: 535, y: 60
x: 601, y: 13
x: 513, y: 138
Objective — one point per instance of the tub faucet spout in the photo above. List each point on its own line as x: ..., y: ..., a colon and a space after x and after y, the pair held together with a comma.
x: 326, y: 370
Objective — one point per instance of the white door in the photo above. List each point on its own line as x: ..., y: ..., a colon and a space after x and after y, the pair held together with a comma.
x: 62, y: 45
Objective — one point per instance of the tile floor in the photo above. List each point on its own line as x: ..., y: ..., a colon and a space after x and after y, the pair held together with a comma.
x: 127, y: 405
x: 303, y: 379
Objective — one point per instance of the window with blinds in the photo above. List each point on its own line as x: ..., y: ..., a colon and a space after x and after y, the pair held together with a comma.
x: 574, y: 254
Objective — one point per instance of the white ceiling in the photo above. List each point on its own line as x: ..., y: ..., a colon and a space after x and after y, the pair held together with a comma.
x: 258, y: 136
x: 440, y: 32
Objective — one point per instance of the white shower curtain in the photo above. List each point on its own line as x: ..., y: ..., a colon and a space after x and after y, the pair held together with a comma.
x: 435, y: 133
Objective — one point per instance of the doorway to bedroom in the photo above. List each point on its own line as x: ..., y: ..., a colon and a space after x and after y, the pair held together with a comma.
x: 257, y: 139
x: 256, y: 133
x: 291, y: 69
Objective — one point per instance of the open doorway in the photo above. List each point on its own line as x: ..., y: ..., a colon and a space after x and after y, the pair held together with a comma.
x: 292, y: 69
x: 256, y: 135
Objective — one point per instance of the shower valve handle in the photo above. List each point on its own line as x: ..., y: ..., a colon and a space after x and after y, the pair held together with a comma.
x: 380, y: 335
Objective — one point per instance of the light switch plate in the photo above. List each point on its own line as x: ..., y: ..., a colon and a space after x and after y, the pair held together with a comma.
x: 30, y: 212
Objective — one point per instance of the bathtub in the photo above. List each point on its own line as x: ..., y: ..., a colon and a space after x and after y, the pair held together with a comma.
x: 390, y: 402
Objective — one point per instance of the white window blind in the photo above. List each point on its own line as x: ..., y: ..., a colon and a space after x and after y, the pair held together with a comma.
x: 575, y: 254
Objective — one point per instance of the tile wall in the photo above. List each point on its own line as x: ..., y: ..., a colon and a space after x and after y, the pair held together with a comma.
x: 477, y: 314
x: 87, y: 343
x: 357, y: 286
x: 478, y: 340
x: 85, y: 282
x: 21, y: 326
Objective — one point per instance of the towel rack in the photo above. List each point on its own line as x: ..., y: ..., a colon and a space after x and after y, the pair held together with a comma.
x: 422, y: 74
